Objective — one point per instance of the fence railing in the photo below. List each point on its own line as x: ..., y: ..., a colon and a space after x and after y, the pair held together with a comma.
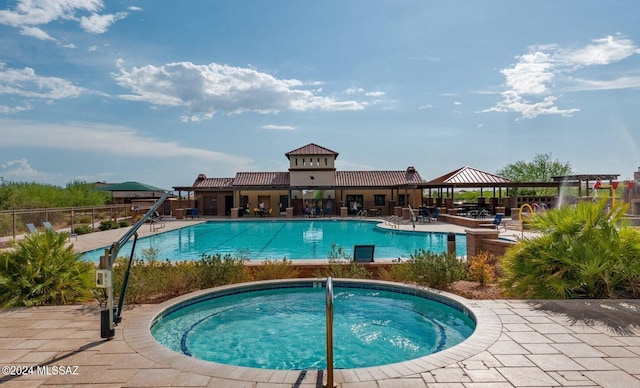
x: 13, y: 222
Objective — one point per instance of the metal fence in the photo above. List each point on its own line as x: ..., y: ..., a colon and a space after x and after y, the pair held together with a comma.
x: 13, y: 222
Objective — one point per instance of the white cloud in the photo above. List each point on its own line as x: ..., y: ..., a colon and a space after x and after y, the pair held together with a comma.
x: 103, y: 139
x: 354, y: 90
x: 27, y: 14
x: 375, y: 94
x: 580, y: 84
x: 208, y: 89
x: 457, y: 103
x: 92, y: 48
x: 20, y: 170
x: 534, y: 80
x: 35, y: 32
x: 429, y: 106
x: 99, y: 24
x: 26, y: 83
x: 279, y: 127
x: 133, y: 8
x: 601, y: 52
x: 8, y: 110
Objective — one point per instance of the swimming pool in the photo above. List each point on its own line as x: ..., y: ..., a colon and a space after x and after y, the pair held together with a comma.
x: 293, y: 239
x: 282, y: 325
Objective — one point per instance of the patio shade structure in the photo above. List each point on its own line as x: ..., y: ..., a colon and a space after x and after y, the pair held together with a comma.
x: 127, y: 191
x: 129, y: 186
x: 467, y: 177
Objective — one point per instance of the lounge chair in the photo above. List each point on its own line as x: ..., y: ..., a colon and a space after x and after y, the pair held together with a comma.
x: 496, y: 223
x: 32, y: 228
x: 363, y: 253
x: 47, y: 226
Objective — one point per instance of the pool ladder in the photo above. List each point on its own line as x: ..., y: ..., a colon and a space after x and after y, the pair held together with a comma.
x: 329, y: 300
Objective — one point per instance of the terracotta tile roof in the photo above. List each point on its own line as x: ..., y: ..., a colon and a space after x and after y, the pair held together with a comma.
x: 213, y: 183
x: 377, y: 178
x: 469, y: 175
x: 270, y: 179
x: 311, y: 149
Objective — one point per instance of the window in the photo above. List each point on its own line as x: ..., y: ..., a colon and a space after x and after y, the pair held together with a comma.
x: 296, y: 161
x: 403, y: 200
x: 326, y: 162
x: 379, y: 200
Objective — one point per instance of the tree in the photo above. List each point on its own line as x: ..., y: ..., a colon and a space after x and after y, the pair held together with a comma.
x: 540, y: 169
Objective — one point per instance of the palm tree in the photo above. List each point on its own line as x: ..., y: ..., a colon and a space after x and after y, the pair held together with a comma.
x: 586, y: 250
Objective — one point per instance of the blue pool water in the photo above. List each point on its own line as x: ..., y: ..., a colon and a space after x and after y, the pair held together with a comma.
x: 294, y: 240
x: 285, y: 328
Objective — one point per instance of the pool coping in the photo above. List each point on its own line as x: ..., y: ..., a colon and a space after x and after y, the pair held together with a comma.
x: 137, y: 334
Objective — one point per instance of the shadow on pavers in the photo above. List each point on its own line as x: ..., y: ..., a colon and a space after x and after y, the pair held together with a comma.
x: 621, y: 316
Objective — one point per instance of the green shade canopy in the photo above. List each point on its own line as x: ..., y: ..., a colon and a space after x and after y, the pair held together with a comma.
x: 129, y: 186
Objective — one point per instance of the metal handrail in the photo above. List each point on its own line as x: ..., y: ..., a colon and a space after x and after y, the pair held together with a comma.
x: 329, y: 301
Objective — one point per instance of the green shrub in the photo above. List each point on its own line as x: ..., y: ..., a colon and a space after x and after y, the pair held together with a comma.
x: 82, y: 229
x: 274, y: 269
x: 429, y: 269
x: 44, y: 270
x: 124, y: 223
x: 345, y: 269
x: 217, y: 270
x: 108, y: 224
x: 83, y: 219
x: 584, y: 251
x: 152, y: 280
x: 399, y: 272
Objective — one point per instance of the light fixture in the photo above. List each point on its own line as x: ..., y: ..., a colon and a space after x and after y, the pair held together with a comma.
x: 312, y: 177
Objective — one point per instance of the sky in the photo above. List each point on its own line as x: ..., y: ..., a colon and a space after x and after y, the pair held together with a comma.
x: 160, y: 91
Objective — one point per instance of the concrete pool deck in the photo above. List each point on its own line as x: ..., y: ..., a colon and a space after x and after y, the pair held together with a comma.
x: 588, y: 343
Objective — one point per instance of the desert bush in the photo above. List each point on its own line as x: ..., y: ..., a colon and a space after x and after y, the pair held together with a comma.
x: 274, y: 269
x: 82, y: 229
x: 436, y: 270
x: 399, y: 272
x: 44, y: 270
x: 584, y: 251
x: 345, y: 269
x: 152, y: 280
x: 482, y: 268
x: 124, y: 223
x: 217, y: 270
x: 83, y: 219
x: 107, y: 225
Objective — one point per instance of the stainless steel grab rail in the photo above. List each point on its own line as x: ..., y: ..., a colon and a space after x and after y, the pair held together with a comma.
x: 329, y: 299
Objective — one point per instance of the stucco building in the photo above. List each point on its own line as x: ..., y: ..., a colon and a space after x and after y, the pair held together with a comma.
x: 312, y: 181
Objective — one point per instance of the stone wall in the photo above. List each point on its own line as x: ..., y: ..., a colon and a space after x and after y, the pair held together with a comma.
x: 486, y: 240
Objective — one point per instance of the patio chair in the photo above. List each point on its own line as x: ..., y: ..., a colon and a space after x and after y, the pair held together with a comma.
x: 363, y: 253
x: 496, y: 223
x: 47, y: 226
x: 32, y: 228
